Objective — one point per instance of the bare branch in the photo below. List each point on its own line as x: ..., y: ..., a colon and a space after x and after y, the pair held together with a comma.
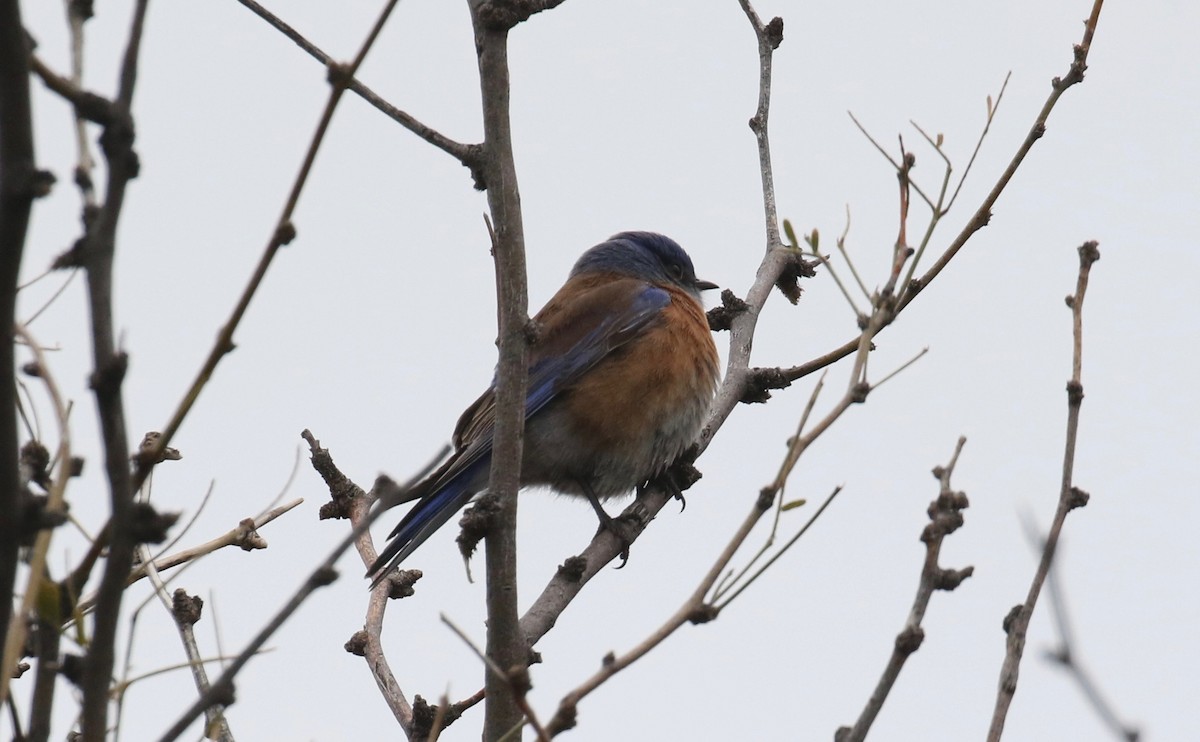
x: 991, y: 114
x: 97, y: 253
x: 769, y: 37
x: 185, y: 612
x: 910, y: 290
x: 1070, y: 497
x: 284, y: 231
x: 16, y: 631
x: 1067, y: 656
x: 88, y: 106
x: 984, y: 213
x: 945, y: 515
x: 244, y: 536
x: 349, y: 500
x: 340, y: 76
x: 695, y: 609
x: 504, y: 643
x: 468, y: 154
x: 518, y: 678
x: 897, y: 166
x: 19, y: 185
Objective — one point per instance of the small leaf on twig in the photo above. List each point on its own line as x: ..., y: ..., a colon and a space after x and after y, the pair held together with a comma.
x: 790, y: 233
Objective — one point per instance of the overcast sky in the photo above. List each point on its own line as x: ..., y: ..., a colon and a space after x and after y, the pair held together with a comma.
x: 375, y: 328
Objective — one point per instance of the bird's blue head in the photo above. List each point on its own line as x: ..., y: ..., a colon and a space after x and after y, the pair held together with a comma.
x: 645, y: 255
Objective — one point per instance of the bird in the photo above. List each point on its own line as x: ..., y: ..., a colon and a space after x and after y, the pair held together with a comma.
x: 622, y: 373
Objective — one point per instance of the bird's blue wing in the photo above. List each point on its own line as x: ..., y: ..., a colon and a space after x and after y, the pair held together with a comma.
x: 550, y: 374
x: 577, y: 337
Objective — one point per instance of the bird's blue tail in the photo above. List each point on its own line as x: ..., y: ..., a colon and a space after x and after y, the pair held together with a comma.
x: 429, y: 514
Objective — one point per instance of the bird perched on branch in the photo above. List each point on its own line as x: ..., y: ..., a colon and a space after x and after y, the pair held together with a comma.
x: 621, y: 377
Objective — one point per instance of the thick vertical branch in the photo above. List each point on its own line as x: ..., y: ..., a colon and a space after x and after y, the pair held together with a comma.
x: 16, y: 201
x: 17, y: 190
x: 505, y: 643
x: 1016, y: 624
x: 98, y: 248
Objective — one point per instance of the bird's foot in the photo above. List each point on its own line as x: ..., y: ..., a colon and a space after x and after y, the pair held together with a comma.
x: 621, y: 529
x: 676, y: 478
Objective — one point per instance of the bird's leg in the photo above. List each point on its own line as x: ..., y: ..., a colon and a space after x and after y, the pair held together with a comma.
x: 607, y: 523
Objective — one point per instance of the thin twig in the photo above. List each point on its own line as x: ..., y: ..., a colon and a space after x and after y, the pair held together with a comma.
x: 184, y: 612
x: 519, y: 679
x: 85, y: 163
x: 741, y: 587
x: 125, y: 685
x: 339, y: 79
x: 732, y: 578
x: 897, y: 166
x: 841, y: 246
x: 987, y: 125
x: 695, y: 609
x: 983, y: 213
x: 1066, y: 656
x: 53, y: 297
x: 1016, y: 624
x: 358, y: 511
x: 769, y: 37
x: 467, y: 154
x: 813, y: 246
x: 17, y: 630
x: 244, y: 535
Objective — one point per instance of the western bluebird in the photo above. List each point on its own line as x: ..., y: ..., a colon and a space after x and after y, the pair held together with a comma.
x: 621, y: 377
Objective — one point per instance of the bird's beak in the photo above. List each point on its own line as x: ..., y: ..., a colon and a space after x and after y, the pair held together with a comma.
x: 706, y: 285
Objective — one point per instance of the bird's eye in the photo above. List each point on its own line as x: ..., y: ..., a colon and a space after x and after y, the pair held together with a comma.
x: 676, y: 271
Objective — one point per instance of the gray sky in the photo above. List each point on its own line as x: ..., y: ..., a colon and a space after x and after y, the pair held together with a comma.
x: 375, y: 328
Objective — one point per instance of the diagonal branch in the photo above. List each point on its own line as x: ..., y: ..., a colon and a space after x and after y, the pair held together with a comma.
x: 244, y: 536
x: 470, y: 155
x: 577, y: 571
x: 339, y: 77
